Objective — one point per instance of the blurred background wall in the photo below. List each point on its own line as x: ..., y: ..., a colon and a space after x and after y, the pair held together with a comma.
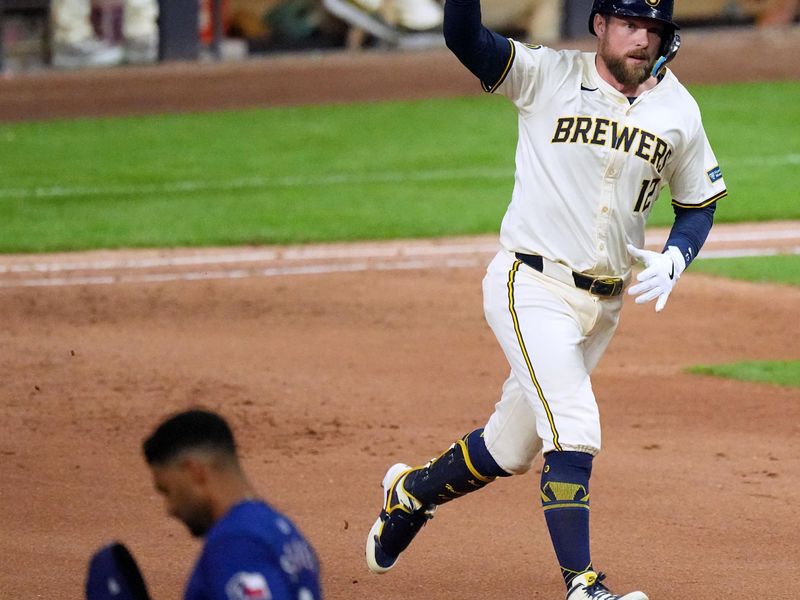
x: 73, y: 34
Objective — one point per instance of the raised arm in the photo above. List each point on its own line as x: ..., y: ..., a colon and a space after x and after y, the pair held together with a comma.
x: 485, y: 53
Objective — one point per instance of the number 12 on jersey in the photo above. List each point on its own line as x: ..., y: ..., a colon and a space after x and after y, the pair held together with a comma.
x: 645, y: 199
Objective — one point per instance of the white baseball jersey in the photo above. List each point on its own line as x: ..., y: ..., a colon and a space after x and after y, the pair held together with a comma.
x: 590, y: 164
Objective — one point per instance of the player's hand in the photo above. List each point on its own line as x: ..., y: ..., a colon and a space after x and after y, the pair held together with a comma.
x: 659, y: 276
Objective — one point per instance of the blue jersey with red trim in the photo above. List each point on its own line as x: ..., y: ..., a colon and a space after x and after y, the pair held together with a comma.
x: 255, y: 553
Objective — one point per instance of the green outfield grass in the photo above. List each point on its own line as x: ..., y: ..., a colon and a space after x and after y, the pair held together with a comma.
x: 345, y: 172
x: 759, y: 269
x: 779, y: 372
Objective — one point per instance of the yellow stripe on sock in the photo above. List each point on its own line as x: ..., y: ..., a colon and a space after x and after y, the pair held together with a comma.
x: 469, y: 464
x: 567, y: 505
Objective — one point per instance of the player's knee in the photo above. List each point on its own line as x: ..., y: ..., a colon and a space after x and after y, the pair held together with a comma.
x: 514, y: 460
x: 480, y: 457
x: 514, y: 466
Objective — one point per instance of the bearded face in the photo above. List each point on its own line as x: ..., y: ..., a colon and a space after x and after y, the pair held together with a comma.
x: 629, y: 48
x: 624, y: 70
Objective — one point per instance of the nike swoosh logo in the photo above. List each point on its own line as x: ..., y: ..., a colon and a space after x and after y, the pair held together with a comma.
x: 672, y: 272
x: 587, y: 89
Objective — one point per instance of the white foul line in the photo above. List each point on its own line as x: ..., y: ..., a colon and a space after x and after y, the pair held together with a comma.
x: 745, y: 252
x: 454, y: 262
x: 234, y: 256
x: 654, y: 237
x: 343, y: 253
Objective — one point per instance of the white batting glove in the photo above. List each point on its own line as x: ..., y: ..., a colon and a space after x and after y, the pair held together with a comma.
x: 660, y: 275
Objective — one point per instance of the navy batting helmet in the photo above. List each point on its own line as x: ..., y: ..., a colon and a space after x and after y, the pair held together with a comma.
x: 660, y: 10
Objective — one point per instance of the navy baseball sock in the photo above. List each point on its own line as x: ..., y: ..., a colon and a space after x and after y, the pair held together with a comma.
x: 465, y: 467
x: 565, y: 498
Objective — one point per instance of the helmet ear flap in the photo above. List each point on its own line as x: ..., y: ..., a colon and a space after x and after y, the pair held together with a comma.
x: 669, y: 48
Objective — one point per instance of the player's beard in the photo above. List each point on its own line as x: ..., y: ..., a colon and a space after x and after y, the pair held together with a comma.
x: 623, y: 72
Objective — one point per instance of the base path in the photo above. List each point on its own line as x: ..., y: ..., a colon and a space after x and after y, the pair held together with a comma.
x: 193, y: 264
x: 371, y: 358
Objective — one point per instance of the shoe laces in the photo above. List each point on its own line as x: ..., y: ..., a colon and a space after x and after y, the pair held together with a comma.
x: 597, y: 591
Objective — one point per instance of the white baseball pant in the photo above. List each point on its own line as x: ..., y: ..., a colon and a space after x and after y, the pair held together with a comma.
x: 553, y: 335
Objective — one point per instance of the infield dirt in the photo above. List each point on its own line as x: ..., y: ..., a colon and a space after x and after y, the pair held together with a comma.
x: 330, y: 378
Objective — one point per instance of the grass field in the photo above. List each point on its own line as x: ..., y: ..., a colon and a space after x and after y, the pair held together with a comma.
x: 759, y: 269
x: 364, y: 171
x: 779, y: 372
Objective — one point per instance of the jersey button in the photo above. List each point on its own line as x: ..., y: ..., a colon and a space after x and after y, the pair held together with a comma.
x: 605, y: 209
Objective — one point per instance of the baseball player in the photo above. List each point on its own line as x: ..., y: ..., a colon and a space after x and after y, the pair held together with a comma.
x: 600, y: 134
x: 251, y: 550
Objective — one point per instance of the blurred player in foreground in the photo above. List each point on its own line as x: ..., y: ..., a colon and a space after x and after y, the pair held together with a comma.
x: 251, y: 550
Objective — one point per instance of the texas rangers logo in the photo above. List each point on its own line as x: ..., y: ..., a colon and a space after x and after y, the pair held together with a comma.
x: 248, y: 586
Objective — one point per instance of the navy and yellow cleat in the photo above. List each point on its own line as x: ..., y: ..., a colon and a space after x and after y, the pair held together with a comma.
x: 588, y: 586
x: 401, y: 518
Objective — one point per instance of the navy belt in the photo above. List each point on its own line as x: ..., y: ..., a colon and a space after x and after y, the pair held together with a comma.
x: 607, y: 287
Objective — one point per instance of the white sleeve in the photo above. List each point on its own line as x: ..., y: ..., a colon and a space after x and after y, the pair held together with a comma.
x: 532, y: 75
x: 697, y: 178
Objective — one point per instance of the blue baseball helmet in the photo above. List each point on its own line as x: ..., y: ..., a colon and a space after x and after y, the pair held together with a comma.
x: 660, y: 10
x: 114, y: 575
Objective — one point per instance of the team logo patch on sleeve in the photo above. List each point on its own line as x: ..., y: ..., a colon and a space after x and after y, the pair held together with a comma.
x: 248, y: 586
x: 714, y: 174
